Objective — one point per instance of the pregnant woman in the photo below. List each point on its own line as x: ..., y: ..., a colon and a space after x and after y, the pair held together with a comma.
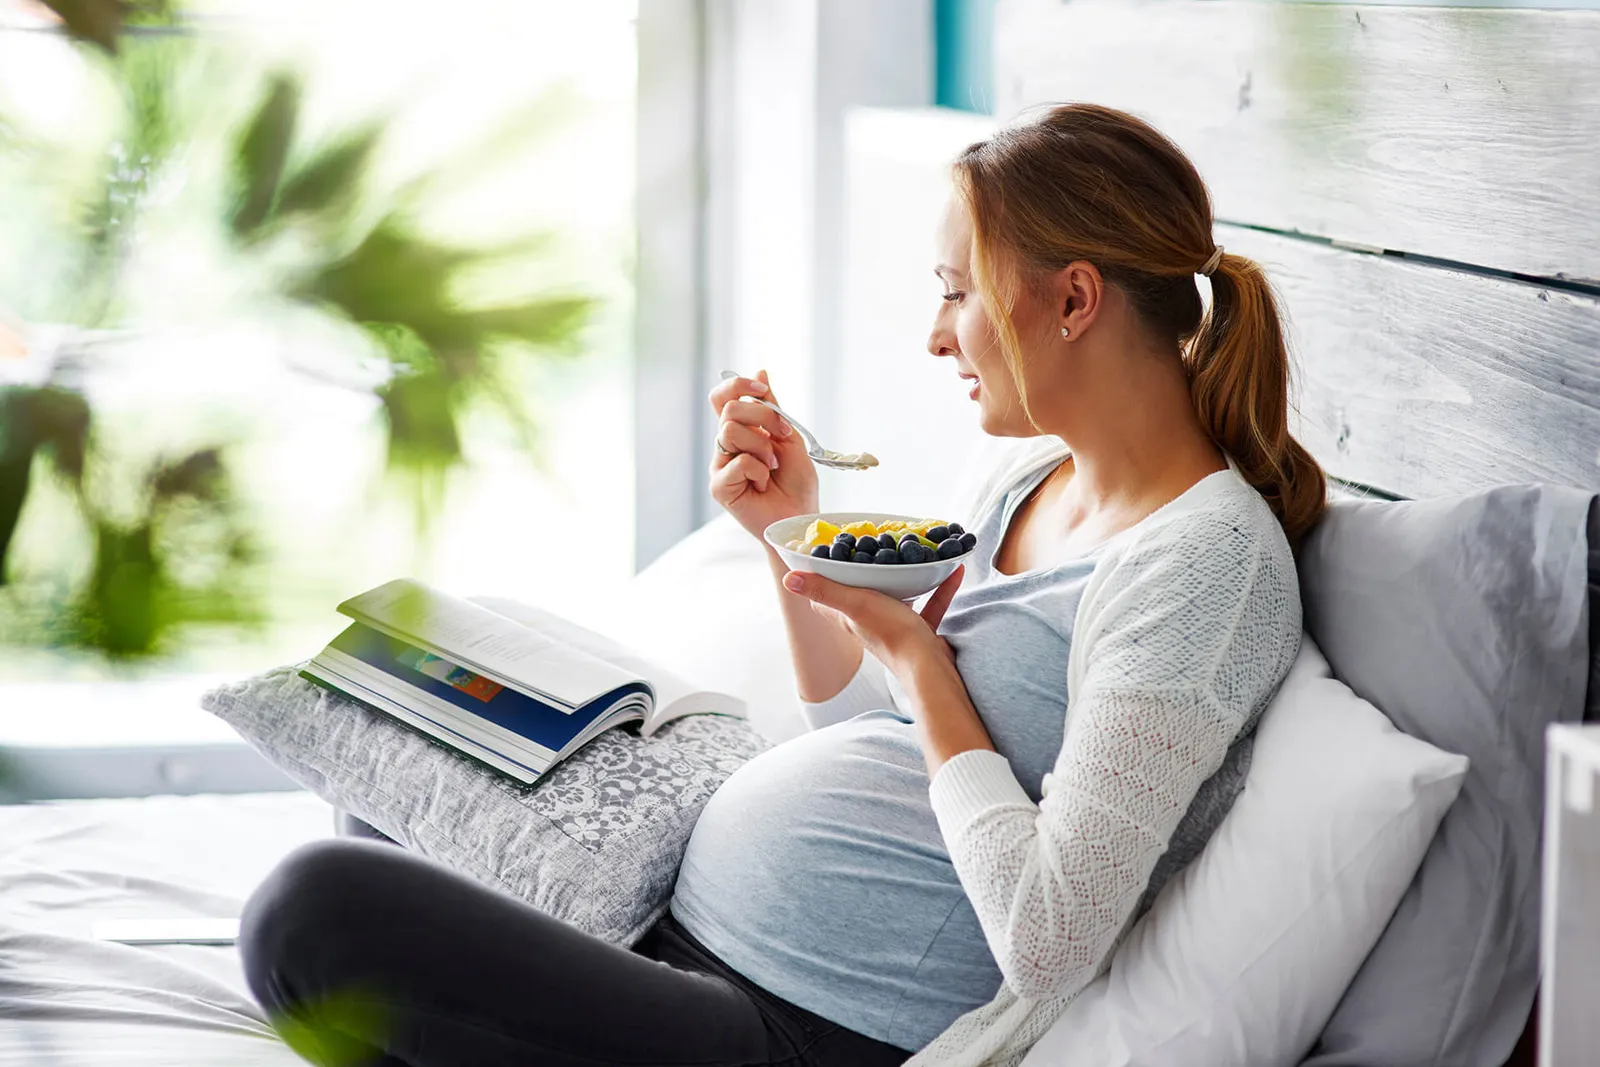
x: 994, y: 787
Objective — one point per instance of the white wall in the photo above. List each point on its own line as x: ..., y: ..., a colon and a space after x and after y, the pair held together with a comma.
x: 762, y: 181
x: 783, y: 75
x: 768, y: 264
x: 895, y: 400
x: 878, y: 54
x: 670, y: 422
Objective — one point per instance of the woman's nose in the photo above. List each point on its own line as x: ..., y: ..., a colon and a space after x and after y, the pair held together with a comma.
x: 942, y: 341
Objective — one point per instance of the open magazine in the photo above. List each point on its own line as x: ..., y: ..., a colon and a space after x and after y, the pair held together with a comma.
x: 518, y: 695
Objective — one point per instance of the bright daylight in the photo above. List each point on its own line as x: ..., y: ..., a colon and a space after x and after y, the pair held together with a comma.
x: 799, y: 533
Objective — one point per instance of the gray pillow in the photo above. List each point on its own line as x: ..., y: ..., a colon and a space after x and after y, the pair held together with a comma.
x: 596, y: 843
x: 1591, y: 705
x: 1466, y: 620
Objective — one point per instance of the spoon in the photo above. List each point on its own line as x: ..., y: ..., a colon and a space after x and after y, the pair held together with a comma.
x: 844, y: 461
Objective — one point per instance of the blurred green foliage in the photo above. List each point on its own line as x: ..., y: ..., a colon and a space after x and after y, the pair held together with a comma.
x: 101, y: 22
x: 168, y: 545
x: 338, y: 1029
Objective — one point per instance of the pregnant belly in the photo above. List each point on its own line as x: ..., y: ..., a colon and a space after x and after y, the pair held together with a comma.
x: 849, y: 802
x: 819, y: 866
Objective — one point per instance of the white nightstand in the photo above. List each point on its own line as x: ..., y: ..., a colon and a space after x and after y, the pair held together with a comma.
x: 1569, y: 998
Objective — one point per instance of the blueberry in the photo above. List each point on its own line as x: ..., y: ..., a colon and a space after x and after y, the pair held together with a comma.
x: 911, y: 551
x: 908, y: 536
x: 846, y: 539
x: 956, y: 530
x: 886, y: 555
x: 861, y: 557
x: 841, y: 551
x: 821, y: 552
x: 968, y: 539
x: 867, y: 544
x: 950, y: 548
x: 938, y: 534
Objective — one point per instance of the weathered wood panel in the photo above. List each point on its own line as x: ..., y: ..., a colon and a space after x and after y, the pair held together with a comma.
x: 1466, y: 134
x: 1423, y: 381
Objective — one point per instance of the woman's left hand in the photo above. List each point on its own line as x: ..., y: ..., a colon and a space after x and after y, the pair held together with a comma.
x: 896, y: 634
x: 907, y: 642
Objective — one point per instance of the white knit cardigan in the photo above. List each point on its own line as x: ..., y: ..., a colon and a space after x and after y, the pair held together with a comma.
x: 1187, y: 626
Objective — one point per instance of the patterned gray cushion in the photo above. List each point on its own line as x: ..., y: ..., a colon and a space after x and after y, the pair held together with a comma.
x: 597, y: 843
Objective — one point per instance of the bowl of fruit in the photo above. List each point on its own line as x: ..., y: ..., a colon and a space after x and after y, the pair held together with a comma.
x: 901, y: 555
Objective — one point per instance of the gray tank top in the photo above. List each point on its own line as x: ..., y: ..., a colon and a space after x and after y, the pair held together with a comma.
x: 818, y: 870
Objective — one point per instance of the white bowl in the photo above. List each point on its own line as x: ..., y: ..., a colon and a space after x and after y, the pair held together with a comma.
x: 903, y: 581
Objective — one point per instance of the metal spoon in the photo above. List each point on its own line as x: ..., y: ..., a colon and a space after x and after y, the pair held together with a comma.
x: 844, y: 461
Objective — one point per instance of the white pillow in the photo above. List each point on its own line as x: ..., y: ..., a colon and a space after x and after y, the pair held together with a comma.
x: 1245, y: 954
x: 709, y: 607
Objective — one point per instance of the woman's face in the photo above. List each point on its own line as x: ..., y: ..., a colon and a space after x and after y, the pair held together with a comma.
x: 962, y: 331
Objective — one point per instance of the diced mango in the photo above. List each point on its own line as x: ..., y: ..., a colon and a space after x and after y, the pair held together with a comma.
x: 821, y: 532
x: 892, y: 526
x: 861, y: 529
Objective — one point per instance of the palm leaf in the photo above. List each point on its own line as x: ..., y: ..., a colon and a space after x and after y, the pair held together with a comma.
x: 45, y: 420
x: 97, y: 21
x: 261, y: 153
x: 118, y: 612
x: 100, y: 22
x: 548, y: 322
x: 17, y: 447
x: 394, y: 276
x: 333, y: 178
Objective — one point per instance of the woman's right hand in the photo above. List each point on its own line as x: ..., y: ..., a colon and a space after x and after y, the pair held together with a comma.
x: 760, y: 473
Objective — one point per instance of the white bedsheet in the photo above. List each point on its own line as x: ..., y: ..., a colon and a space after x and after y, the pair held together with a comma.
x: 69, y: 1001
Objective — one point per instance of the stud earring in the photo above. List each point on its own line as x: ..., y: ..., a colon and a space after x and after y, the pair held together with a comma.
x: 1064, y: 332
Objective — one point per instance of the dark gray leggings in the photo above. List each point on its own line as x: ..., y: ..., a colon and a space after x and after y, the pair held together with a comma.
x: 362, y: 953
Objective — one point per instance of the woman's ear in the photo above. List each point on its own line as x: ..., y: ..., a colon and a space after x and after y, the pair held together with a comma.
x: 1078, y: 290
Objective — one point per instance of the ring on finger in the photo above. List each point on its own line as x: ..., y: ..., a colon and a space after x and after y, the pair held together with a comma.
x: 721, y: 448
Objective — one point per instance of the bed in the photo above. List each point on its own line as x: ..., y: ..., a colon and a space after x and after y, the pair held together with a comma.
x: 67, y: 1000
x: 1411, y: 176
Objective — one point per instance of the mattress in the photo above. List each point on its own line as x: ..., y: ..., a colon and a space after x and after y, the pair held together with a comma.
x: 67, y: 1000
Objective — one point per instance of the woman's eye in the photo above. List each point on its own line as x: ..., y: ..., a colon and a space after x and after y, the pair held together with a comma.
x: 953, y: 297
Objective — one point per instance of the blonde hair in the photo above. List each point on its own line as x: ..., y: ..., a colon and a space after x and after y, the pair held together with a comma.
x: 1083, y: 182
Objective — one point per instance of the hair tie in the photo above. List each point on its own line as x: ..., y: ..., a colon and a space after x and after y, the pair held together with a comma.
x: 1212, y: 263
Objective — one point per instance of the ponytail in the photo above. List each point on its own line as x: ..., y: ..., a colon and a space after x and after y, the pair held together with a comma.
x: 1080, y: 181
x: 1239, y: 378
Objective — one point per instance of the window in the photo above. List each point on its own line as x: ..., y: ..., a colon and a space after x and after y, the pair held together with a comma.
x: 137, y: 274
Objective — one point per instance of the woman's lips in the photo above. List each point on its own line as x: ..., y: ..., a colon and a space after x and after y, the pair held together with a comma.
x: 973, y: 391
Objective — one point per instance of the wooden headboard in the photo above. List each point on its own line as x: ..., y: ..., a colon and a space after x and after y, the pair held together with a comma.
x: 1423, y: 186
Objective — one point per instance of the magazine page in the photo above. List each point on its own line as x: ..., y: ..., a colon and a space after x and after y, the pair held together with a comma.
x: 689, y: 701
x: 516, y: 718
x: 675, y: 696
x: 522, y: 658
x: 400, y: 702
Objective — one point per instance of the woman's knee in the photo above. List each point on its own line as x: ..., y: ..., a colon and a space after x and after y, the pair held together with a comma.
x: 312, y: 898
